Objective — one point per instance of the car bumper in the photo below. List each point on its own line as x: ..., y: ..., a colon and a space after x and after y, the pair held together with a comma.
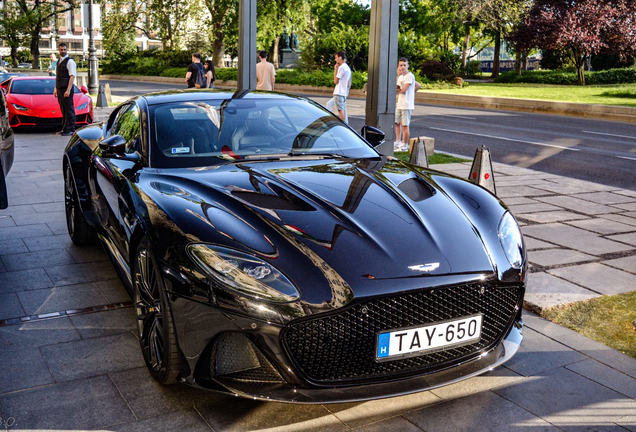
x: 486, y: 362
x: 18, y: 120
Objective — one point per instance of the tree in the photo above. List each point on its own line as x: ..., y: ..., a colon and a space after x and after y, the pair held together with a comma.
x: 37, y: 14
x: 580, y: 28
x: 223, y: 19
x: 169, y: 18
x: 119, y: 34
x: 12, y: 23
x: 501, y: 17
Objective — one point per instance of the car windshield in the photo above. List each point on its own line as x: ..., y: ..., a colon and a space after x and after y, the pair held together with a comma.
x: 188, y: 134
x: 35, y: 87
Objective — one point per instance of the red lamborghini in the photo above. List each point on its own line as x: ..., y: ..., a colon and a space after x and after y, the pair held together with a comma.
x: 31, y: 103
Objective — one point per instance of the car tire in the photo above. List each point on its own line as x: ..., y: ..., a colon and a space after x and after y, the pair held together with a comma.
x: 4, y: 203
x: 80, y: 231
x: 154, y: 318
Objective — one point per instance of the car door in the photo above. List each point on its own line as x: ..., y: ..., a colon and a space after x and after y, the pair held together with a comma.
x: 113, y: 178
x: 6, y: 149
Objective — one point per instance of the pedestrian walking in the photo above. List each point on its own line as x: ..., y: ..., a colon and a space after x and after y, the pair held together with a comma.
x: 210, y: 73
x: 265, y: 73
x: 193, y: 71
x: 53, y: 66
x: 342, y: 80
x: 406, y: 88
x: 66, y: 72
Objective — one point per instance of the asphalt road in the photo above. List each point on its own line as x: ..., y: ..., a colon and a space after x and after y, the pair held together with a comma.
x: 594, y: 150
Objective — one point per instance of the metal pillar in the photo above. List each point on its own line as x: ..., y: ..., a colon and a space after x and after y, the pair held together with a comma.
x: 247, y: 45
x: 93, y: 79
x: 383, y: 52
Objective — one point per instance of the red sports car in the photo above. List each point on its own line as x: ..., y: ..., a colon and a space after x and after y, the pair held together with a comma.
x: 31, y: 103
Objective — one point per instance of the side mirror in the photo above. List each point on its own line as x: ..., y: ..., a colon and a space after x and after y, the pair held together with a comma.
x: 83, y: 89
x: 113, y: 146
x: 373, y: 135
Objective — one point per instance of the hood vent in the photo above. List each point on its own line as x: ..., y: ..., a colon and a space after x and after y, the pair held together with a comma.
x: 415, y: 189
x: 273, y: 202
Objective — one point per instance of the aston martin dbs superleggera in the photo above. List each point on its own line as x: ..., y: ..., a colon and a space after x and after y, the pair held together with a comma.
x: 272, y: 252
x: 31, y: 103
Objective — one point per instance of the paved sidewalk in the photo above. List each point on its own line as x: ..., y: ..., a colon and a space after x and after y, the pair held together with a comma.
x: 581, y: 236
x: 74, y: 367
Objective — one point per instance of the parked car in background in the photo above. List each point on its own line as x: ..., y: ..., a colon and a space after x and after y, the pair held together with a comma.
x: 271, y: 252
x: 25, y: 66
x: 6, y: 75
x: 31, y: 103
x: 6, y: 150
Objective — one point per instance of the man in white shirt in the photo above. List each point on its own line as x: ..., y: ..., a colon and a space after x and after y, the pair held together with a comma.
x: 265, y: 73
x: 64, y: 85
x: 342, y: 80
x: 406, y: 88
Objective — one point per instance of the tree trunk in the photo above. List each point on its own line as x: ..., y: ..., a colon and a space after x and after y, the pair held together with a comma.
x: 518, y: 62
x: 524, y: 60
x: 274, y: 52
x: 466, y: 44
x: 14, y: 56
x: 496, y: 55
x: 581, y: 73
x: 218, y: 46
x: 35, y: 47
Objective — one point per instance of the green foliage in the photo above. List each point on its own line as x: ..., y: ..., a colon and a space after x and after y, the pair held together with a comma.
x: 437, y: 71
x: 612, y: 76
x: 474, y: 69
x: 119, y: 34
x: 174, y: 72
x: 148, y: 62
x: 553, y: 59
x: 226, y: 74
x: 435, y: 158
x: 416, y: 48
x: 452, y: 60
x: 318, y: 51
x: 442, y: 85
x: 338, y: 14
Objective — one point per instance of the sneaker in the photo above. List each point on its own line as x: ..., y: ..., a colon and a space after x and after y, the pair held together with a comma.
x: 69, y: 133
x: 397, y: 146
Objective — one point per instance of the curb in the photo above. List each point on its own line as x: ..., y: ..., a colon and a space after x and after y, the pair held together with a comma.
x: 600, y: 112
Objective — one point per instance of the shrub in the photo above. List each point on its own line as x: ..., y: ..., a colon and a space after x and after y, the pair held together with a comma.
x: 453, y: 61
x: 474, y: 69
x: 567, y: 77
x: 226, y: 74
x: 174, y: 72
x: 437, y: 71
x: 318, y: 52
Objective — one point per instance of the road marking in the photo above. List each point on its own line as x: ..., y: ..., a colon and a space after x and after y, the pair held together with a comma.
x: 456, y: 116
x: 612, y: 135
x: 506, y: 139
x: 625, y: 157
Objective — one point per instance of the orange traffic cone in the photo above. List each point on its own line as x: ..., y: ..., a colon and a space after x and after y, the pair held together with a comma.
x: 481, y: 172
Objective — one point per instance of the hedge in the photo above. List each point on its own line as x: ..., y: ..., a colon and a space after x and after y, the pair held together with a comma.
x: 569, y: 77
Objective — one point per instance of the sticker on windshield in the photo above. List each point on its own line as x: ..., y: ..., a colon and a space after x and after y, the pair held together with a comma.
x: 177, y: 150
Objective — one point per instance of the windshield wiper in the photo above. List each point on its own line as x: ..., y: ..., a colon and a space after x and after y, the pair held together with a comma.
x: 333, y: 155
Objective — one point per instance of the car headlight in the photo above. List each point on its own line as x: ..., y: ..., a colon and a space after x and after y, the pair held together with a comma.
x: 243, y: 273
x: 82, y: 106
x: 511, y: 240
x: 19, y: 107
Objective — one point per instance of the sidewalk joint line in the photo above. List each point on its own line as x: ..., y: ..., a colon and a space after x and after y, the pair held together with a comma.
x: 66, y: 313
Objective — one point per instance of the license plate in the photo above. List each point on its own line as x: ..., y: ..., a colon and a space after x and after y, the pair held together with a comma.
x: 414, y: 341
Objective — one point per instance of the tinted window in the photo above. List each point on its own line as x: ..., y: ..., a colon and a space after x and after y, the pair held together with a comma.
x: 127, y: 125
x: 35, y: 87
x: 188, y: 134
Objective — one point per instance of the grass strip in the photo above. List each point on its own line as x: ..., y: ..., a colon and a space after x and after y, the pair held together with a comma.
x: 435, y: 158
x: 607, y: 319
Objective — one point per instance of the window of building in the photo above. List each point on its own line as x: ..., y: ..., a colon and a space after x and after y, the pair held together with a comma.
x: 76, y: 46
x: 44, y: 43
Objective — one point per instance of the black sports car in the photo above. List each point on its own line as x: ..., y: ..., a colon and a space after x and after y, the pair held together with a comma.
x: 271, y: 252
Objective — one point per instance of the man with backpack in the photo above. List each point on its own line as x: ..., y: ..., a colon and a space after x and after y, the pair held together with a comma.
x: 195, y: 77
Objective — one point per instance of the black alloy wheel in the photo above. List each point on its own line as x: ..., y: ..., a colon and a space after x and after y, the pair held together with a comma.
x: 80, y: 231
x: 156, y: 332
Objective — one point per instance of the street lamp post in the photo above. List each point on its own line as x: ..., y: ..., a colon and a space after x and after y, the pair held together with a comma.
x: 93, y: 80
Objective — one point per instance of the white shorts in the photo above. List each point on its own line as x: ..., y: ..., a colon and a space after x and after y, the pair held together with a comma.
x: 403, y: 116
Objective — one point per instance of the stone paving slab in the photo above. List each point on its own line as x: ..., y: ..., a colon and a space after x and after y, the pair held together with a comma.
x: 554, y: 257
x: 574, y: 238
x: 603, y: 226
x: 545, y: 290
x: 598, y: 277
x: 551, y: 216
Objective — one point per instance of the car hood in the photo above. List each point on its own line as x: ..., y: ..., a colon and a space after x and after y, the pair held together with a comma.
x: 359, y: 219
x: 40, y: 102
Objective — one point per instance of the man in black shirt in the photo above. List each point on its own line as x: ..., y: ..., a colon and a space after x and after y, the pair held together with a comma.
x: 64, y: 78
x: 193, y: 69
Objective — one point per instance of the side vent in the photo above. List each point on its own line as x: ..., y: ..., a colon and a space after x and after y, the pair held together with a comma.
x: 415, y: 189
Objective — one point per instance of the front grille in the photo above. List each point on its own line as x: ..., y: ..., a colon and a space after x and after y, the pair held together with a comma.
x: 341, y: 347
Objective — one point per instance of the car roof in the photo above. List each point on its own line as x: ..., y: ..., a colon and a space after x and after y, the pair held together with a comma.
x: 20, y: 78
x: 207, y: 94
